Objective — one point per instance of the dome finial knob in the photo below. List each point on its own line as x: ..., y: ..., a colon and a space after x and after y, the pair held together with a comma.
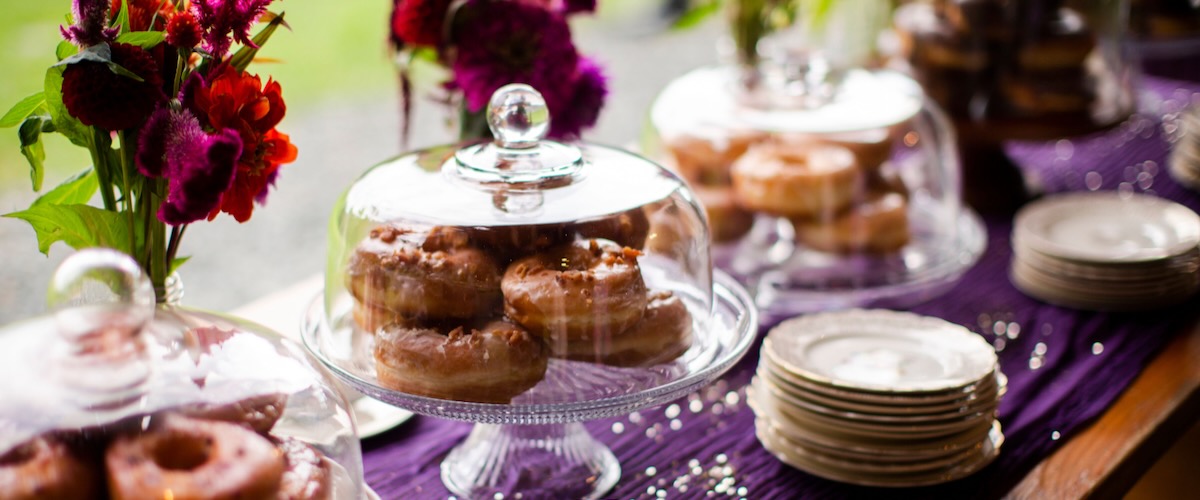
x: 518, y: 116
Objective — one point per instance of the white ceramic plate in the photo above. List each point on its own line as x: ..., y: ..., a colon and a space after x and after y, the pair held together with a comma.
x: 894, y: 402
x: 1106, y: 226
x: 993, y: 388
x: 986, y: 451
x: 783, y: 393
x: 881, y: 351
x: 375, y: 417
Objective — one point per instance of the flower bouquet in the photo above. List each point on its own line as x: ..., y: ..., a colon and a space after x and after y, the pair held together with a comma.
x: 178, y: 131
x: 486, y: 44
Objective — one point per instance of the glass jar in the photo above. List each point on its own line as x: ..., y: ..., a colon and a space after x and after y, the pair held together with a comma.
x: 847, y: 200
x: 526, y: 285
x: 1030, y: 70
x: 112, y: 395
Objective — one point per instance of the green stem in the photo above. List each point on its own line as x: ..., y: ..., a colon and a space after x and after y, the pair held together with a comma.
x: 101, y: 141
x: 127, y: 160
x: 158, y: 240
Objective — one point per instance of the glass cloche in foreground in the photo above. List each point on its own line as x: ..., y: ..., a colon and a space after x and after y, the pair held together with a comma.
x: 112, y: 396
x: 526, y: 285
x: 473, y: 270
x: 842, y: 194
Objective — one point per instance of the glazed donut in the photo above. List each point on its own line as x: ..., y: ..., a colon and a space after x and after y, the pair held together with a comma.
x: 370, y: 318
x: 193, y: 459
x: 726, y: 220
x: 491, y: 363
x: 878, y: 225
x: 796, y: 180
x: 871, y: 148
x: 1036, y: 95
x: 628, y: 228
x: 433, y: 274
x: 42, y: 469
x: 1066, y: 44
x: 259, y: 413
x: 663, y: 334
x: 305, y: 473
x: 930, y: 41
x: 584, y: 289
x: 704, y: 161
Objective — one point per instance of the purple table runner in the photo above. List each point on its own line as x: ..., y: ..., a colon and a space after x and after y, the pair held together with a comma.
x: 1065, y: 367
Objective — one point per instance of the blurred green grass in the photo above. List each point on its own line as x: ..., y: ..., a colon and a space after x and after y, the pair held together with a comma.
x: 334, y: 50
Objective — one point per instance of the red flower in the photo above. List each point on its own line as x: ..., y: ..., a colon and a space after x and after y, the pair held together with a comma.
x: 419, y: 22
x: 183, y: 31
x: 97, y: 96
x: 239, y: 102
x: 144, y: 12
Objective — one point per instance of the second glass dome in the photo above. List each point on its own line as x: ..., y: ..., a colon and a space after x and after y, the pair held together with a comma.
x: 519, y: 271
x: 850, y: 201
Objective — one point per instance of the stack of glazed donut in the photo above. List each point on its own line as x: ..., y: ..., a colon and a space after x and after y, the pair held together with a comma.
x: 194, y: 453
x: 1164, y: 19
x: 838, y: 190
x: 475, y: 313
x: 988, y: 61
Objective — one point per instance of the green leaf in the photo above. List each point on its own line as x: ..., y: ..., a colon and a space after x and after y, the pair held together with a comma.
x: 31, y: 147
x: 79, y: 226
x: 74, y: 191
x: 175, y: 264
x: 144, y: 39
x: 241, y: 59
x: 22, y: 110
x: 99, y: 53
x: 67, y: 125
x: 696, y: 15
x: 122, y: 19
x: 120, y: 70
x: 65, y: 49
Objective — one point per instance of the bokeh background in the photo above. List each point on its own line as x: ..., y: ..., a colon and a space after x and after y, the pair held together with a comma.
x: 340, y: 84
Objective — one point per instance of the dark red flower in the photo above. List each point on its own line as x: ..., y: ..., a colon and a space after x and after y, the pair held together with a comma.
x: 419, y: 22
x: 512, y: 42
x: 583, y: 109
x: 238, y: 101
x: 183, y: 31
x: 221, y: 19
x: 199, y: 167
x: 145, y: 15
x: 97, y: 96
x: 91, y: 23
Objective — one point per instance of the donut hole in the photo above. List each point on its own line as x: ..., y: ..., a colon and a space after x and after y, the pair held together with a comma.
x: 182, y: 452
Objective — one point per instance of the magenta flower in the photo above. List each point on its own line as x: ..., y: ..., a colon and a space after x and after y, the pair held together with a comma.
x: 199, y: 167
x: 91, y: 23
x: 583, y: 109
x: 512, y: 42
x: 222, y: 18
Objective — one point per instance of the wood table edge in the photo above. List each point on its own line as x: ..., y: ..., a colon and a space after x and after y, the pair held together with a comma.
x: 1108, y: 457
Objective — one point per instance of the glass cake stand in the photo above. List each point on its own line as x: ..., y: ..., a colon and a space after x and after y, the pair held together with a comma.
x: 542, y: 448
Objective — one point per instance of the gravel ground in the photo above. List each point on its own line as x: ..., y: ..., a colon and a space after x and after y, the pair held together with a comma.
x: 338, y: 139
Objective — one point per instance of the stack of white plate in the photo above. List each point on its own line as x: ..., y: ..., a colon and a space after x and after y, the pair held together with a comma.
x: 878, y: 398
x: 1185, y: 154
x: 1106, y: 251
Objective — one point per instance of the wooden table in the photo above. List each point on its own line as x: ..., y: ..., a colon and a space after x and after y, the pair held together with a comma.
x: 1103, y: 461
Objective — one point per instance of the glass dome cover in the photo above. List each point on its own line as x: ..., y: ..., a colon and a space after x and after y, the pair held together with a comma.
x: 844, y: 194
x: 518, y: 271
x: 112, y: 389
